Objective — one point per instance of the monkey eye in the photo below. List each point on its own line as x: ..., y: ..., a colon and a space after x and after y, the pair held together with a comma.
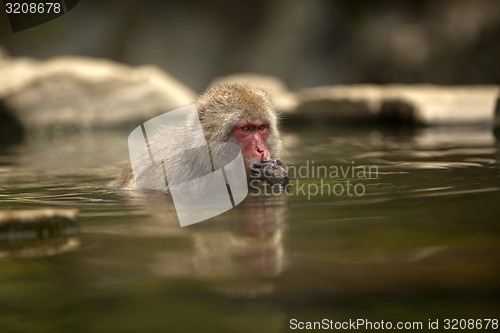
x: 262, y: 127
x: 245, y: 128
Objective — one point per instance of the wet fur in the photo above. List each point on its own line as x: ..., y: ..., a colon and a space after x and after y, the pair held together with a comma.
x: 219, y: 109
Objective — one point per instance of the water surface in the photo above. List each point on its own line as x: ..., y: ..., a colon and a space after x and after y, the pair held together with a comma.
x: 423, y: 242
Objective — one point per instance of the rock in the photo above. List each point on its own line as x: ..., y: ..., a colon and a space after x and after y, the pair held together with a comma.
x: 496, y: 124
x: 338, y: 103
x: 447, y: 104
x: 284, y: 100
x: 377, y: 104
x: 398, y: 112
x: 37, y: 224
x: 425, y: 104
x: 79, y: 92
x: 11, y: 129
x: 33, y: 233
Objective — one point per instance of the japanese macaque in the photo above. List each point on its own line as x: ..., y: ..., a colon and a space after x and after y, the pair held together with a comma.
x: 233, y: 113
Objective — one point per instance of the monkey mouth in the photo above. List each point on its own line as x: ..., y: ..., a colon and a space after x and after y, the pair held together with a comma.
x: 271, y: 172
x: 258, y: 165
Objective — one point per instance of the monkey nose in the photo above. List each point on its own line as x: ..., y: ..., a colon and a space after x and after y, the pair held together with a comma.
x: 264, y: 154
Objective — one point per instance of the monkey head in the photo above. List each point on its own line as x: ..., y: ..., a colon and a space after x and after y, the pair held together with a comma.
x: 242, y: 115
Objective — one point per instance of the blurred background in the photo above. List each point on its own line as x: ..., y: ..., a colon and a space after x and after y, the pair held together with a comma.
x: 305, y: 43
x: 423, y: 243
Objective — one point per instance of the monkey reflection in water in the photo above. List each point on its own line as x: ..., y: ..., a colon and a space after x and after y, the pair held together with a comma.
x: 245, y: 241
x: 239, y: 252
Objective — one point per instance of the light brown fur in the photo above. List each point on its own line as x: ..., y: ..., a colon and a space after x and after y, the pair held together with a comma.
x: 219, y: 110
